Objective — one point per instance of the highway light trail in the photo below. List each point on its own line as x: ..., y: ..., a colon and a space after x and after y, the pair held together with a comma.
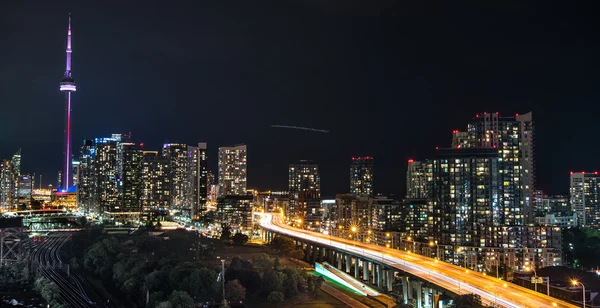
x: 447, y: 276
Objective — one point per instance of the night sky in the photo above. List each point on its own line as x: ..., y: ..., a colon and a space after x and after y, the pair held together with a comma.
x: 388, y: 81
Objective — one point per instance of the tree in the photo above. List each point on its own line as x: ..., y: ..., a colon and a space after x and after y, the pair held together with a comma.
x: 314, y: 284
x: 164, y: 305
x: 226, y: 233
x: 181, y: 299
x: 239, y: 239
x: 234, y: 291
x: 273, y: 281
x: 275, y: 297
x: 262, y: 262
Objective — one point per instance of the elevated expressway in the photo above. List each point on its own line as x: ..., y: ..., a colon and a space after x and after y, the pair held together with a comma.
x: 493, y: 291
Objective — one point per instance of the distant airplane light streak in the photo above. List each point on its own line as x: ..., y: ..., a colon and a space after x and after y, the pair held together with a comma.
x: 301, y: 128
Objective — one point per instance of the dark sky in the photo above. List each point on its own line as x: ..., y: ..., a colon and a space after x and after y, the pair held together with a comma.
x: 387, y: 80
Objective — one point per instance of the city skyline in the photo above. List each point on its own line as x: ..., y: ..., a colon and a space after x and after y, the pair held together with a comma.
x: 550, y: 86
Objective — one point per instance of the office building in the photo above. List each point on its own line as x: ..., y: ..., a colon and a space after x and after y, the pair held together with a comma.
x: 196, y: 185
x: 361, y: 176
x: 584, y: 190
x: 305, y: 193
x: 232, y: 170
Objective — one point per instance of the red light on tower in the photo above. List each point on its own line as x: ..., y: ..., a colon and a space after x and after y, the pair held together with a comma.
x: 595, y: 172
x: 517, y: 115
x: 484, y: 112
x: 571, y: 172
x: 437, y: 148
x: 411, y: 161
x: 496, y: 112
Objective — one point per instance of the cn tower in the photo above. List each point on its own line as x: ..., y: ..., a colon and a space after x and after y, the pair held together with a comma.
x: 67, y: 85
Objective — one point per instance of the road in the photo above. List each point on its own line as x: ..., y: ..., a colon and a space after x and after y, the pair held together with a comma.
x: 493, y: 291
x: 75, y: 291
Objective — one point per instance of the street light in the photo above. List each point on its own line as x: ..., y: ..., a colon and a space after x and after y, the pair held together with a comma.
x: 575, y: 283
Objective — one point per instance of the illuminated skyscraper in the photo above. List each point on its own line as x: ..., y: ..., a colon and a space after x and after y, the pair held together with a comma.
x: 155, y: 182
x: 176, y: 154
x: 232, y: 170
x: 86, y: 177
x: 585, y: 198
x: 514, y: 140
x: 67, y: 85
x: 196, y: 185
x: 466, y: 196
x: 305, y: 193
x: 361, y: 176
x: 10, y: 173
x: 106, y: 193
x: 129, y: 182
x: 418, y: 177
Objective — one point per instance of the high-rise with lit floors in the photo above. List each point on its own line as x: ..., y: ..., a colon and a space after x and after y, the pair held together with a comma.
x: 155, y: 182
x: 176, y: 154
x: 361, y: 176
x: 305, y: 193
x: 10, y: 173
x: 196, y: 185
x: 585, y: 190
x: 129, y: 184
x: 513, y: 138
x: 466, y: 196
x: 232, y: 170
x: 67, y: 85
x: 418, y: 177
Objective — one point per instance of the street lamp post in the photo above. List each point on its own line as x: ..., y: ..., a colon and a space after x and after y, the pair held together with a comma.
x: 575, y: 282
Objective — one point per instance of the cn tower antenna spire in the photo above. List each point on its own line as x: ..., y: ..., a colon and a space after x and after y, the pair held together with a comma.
x: 67, y: 85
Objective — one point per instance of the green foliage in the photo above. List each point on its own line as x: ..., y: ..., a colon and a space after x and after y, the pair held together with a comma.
x: 286, y: 247
x: 314, y: 284
x: 181, y: 299
x: 48, y: 290
x: 262, y: 262
x: 234, y: 291
x: 582, y: 247
x: 275, y: 297
x: 239, y: 239
x: 15, y: 275
x: 100, y: 257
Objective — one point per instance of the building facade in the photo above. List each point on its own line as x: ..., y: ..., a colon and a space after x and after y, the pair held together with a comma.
x: 156, y: 186
x: 418, y: 179
x: 235, y: 212
x: 361, y: 176
x: 584, y: 190
x: 196, y: 186
x: 232, y: 170
x: 10, y: 173
x: 465, y: 196
x: 304, y: 184
x: 176, y: 155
